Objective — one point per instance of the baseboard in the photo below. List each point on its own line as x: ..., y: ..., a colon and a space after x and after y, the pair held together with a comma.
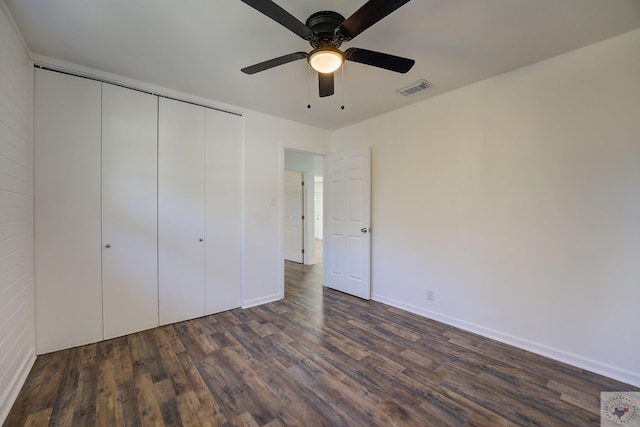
x: 10, y: 395
x: 260, y: 301
x: 631, y: 378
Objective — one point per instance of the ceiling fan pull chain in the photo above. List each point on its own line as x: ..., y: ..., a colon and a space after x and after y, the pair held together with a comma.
x: 343, y: 89
x: 308, y: 86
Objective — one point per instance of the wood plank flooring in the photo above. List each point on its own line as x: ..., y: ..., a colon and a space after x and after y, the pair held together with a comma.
x: 316, y: 358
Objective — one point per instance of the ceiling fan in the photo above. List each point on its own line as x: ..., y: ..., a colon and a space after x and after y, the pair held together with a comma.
x: 326, y: 31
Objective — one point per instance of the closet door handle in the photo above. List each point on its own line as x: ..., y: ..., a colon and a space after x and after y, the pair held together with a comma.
x: 108, y: 245
x: 201, y: 239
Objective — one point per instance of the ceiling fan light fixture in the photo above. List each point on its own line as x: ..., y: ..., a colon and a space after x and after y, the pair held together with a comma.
x: 325, y: 59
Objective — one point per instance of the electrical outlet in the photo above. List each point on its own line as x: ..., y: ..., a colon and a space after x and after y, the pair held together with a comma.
x: 430, y: 296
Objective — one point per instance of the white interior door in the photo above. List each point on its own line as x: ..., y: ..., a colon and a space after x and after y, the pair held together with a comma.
x: 293, y: 216
x: 180, y: 211
x: 129, y: 211
x: 347, y: 242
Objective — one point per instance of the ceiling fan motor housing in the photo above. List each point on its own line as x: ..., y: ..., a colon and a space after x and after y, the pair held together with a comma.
x: 323, y: 24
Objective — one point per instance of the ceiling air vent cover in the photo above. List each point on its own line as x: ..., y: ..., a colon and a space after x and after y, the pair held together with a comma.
x: 415, y: 87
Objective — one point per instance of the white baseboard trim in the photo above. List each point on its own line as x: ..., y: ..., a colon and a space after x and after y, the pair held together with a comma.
x: 260, y: 301
x: 632, y: 378
x: 8, y: 396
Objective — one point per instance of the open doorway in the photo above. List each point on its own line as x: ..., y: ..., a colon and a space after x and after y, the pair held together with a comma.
x: 303, y: 223
x: 346, y: 234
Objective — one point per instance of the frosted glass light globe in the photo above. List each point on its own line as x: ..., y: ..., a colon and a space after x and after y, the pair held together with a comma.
x: 326, y: 60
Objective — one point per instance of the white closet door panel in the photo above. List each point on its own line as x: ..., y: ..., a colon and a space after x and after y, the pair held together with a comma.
x: 223, y: 249
x: 67, y: 211
x: 180, y: 211
x: 129, y: 211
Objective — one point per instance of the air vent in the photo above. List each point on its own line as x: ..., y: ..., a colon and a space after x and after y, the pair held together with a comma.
x: 415, y: 87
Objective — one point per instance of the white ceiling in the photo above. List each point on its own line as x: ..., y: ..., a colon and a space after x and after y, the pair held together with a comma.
x: 199, y: 46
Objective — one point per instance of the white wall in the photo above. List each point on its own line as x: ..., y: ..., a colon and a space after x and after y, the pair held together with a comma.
x: 17, y: 326
x: 266, y: 138
x: 517, y: 201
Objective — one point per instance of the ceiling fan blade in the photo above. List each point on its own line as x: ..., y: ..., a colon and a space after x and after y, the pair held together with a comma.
x: 273, y: 62
x: 370, y: 13
x: 281, y: 16
x: 379, y: 59
x: 325, y: 81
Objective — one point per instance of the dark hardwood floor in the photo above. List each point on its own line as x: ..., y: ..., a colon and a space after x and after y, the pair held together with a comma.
x: 316, y: 358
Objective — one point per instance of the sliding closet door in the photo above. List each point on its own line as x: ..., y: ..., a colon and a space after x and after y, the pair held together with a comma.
x: 67, y: 211
x: 180, y: 211
x: 129, y: 210
x: 223, y: 223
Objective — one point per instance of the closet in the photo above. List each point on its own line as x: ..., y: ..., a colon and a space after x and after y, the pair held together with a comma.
x: 138, y: 210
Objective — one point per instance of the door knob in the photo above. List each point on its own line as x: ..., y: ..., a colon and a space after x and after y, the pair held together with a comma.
x: 201, y: 239
x: 365, y: 229
x: 108, y: 245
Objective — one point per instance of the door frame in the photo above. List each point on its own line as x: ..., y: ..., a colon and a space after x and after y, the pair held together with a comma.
x: 283, y: 149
